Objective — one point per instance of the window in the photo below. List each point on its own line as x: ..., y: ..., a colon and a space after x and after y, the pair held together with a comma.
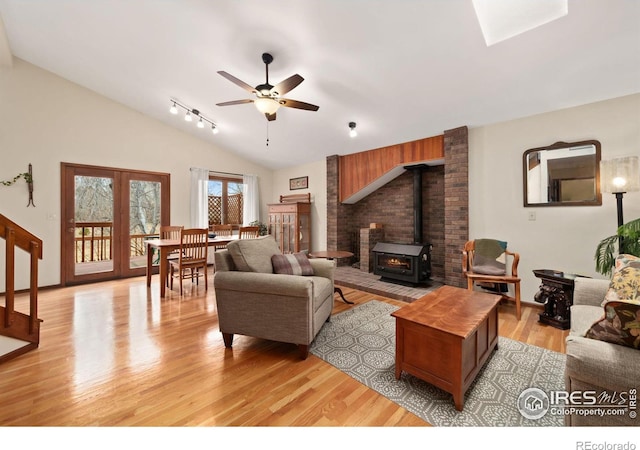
x: 225, y: 201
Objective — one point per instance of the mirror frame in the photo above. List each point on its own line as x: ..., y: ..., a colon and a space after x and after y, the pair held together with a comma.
x: 558, y: 146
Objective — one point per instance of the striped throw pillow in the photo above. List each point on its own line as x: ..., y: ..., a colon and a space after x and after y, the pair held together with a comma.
x: 292, y: 264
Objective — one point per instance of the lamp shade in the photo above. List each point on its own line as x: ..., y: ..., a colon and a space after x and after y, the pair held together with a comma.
x: 266, y: 105
x: 620, y: 175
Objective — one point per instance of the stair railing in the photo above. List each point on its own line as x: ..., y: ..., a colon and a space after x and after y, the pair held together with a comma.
x: 16, y: 236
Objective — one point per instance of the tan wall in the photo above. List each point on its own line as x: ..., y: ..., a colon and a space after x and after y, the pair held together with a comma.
x: 561, y: 238
x: 45, y: 120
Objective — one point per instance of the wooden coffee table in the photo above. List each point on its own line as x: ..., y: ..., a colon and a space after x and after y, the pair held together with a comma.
x: 446, y: 337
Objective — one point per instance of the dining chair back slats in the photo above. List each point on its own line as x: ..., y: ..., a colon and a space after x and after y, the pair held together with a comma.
x: 171, y: 232
x: 249, y: 232
x: 194, y: 243
x: 222, y: 230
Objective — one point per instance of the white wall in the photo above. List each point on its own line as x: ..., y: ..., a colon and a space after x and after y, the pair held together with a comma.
x: 46, y: 120
x: 561, y: 238
x: 317, y: 173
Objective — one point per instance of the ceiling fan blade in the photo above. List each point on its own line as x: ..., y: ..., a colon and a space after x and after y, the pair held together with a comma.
x: 235, y: 80
x: 296, y: 104
x: 270, y: 117
x: 235, y: 102
x: 285, y: 86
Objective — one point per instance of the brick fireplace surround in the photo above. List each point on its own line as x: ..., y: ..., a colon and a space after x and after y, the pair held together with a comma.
x: 445, y: 209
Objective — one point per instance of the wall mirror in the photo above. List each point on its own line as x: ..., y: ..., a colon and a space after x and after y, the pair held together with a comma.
x: 562, y: 174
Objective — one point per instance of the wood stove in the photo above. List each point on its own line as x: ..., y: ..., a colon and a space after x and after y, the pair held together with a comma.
x: 408, y: 264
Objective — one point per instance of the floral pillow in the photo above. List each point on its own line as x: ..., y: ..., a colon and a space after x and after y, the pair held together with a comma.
x: 620, y: 325
x: 625, y: 282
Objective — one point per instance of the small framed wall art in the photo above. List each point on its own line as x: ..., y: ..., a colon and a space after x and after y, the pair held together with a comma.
x: 298, y: 183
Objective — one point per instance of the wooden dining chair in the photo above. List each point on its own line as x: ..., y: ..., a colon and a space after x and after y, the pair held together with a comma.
x: 221, y: 230
x: 194, y: 243
x: 249, y: 232
x: 171, y: 232
x: 479, y: 266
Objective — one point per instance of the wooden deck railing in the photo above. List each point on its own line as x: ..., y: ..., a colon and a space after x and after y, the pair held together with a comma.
x: 16, y: 324
x: 94, y: 242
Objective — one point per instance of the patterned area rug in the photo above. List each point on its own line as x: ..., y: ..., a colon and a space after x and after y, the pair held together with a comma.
x: 361, y: 343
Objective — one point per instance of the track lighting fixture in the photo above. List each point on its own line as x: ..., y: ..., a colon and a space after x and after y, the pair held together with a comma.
x: 190, y: 113
x: 352, y: 129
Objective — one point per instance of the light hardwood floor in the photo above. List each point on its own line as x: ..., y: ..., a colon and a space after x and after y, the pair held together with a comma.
x: 114, y: 354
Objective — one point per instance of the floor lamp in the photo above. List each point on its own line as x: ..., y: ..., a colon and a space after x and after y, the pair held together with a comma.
x: 618, y: 177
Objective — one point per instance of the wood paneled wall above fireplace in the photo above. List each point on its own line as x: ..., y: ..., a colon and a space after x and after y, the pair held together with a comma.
x: 364, y: 172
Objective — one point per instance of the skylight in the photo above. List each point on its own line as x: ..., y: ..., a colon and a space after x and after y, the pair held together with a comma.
x: 504, y: 19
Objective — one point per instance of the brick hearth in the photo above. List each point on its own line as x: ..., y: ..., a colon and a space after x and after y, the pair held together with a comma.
x: 368, y: 282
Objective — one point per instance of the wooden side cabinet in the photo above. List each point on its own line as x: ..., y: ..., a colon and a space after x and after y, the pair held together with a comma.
x: 290, y: 225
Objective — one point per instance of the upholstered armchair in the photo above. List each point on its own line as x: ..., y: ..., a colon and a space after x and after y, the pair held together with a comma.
x: 252, y: 300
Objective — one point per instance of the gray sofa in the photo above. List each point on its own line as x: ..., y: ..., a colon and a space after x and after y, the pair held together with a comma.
x: 253, y: 301
x: 596, y: 365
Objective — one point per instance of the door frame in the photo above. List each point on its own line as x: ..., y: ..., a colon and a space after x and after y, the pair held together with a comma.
x: 120, y: 238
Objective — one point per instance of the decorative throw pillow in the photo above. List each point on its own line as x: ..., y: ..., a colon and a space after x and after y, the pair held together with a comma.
x: 292, y: 264
x: 625, y: 282
x: 620, y: 325
x: 489, y: 257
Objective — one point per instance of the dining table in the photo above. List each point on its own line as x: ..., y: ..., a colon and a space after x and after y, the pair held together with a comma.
x: 166, y: 246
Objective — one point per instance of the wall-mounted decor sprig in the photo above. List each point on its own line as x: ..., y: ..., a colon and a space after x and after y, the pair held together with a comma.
x: 28, y: 177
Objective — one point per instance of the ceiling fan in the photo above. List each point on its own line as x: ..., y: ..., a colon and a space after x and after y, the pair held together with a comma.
x: 268, y: 97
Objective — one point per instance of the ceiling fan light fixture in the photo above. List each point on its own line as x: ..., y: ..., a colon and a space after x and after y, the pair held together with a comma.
x: 200, y: 123
x: 266, y: 105
x: 173, y: 109
x: 188, y: 117
x: 214, y: 129
x: 352, y: 129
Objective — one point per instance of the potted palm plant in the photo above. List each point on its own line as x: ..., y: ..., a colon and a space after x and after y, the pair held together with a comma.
x: 625, y: 241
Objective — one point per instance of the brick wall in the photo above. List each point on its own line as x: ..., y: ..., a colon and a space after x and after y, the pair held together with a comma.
x: 444, y: 202
x: 456, y: 204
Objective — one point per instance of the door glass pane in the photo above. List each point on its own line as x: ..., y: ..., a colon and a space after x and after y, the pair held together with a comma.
x: 144, y: 218
x: 93, y: 215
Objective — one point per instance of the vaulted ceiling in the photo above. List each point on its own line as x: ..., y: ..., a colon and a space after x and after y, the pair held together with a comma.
x: 402, y: 70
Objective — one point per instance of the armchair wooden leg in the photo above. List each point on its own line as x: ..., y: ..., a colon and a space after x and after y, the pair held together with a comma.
x: 304, y: 351
x: 228, y: 339
x: 518, y: 311
x: 469, y: 284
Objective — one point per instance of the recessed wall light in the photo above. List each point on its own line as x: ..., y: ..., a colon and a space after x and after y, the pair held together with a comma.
x: 352, y: 129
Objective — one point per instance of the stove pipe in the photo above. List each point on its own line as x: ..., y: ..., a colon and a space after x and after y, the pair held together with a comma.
x: 417, y: 201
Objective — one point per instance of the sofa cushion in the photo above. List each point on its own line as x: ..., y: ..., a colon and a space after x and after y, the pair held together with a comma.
x: 625, y: 282
x: 253, y: 255
x: 292, y: 264
x: 583, y: 317
x: 322, y: 290
x: 620, y: 324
